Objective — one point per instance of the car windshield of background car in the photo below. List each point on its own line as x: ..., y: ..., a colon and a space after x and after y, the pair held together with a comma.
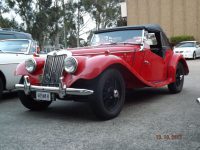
x: 115, y: 37
x: 190, y: 44
x: 14, y: 46
x: 34, y: 47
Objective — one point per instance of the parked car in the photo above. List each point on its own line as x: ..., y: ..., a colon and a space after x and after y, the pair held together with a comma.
x: 118, y: 59
x: 13, y: 34
x: 189, y: 49
x: 12, y: 52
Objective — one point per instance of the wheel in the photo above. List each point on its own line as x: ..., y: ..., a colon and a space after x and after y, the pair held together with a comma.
x: 194, y: 55
x: 1, y: 88
x: 109, y: 94
x: 177, y: 86
x: 30, y: 103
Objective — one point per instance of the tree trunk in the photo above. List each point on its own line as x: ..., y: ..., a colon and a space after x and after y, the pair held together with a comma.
x: 57, y: 46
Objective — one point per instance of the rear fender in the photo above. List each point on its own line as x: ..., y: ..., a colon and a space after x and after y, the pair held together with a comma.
x: 173, y: 64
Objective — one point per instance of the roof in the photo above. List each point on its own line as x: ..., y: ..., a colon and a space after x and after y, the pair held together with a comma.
x: 188, y: 41
x: 148, y: 27
x: 16, y: 34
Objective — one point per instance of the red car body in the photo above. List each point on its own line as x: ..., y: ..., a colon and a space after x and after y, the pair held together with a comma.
x: 139, y: 64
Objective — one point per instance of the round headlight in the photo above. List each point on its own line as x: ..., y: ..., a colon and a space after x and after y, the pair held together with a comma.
x: 30, y: 65
x: 70, y: 64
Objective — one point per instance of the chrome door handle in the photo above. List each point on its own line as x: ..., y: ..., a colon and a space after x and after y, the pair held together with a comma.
x: 146, y: 62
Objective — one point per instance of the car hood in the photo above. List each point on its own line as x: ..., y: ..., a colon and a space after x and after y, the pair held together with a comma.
x: 96, y: 50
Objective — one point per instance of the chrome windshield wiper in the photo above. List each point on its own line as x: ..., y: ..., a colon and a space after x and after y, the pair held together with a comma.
x: 116, y: 43
x: 130, y: 43
x: 2, y: 51
x: 113, y: 43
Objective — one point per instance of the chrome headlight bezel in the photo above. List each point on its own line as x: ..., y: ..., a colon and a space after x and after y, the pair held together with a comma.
x: 30, y: 65
x: 70, y: 64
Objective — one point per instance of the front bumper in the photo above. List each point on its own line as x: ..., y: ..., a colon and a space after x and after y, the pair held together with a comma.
x: 187, y: 55
x: 62, y: 90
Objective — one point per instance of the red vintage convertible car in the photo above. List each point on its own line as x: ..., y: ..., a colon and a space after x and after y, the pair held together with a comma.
x: 118, y: 59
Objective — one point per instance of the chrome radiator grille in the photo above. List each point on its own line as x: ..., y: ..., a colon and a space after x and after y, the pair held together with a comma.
x: 53, y: 70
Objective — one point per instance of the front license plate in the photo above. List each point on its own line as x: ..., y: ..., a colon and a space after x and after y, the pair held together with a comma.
x: 43, y: 96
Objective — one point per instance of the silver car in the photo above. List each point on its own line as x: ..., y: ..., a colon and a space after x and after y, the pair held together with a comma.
x: 13, y: 52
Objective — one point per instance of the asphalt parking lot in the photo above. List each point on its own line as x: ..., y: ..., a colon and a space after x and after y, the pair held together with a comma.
x: 152, y: 119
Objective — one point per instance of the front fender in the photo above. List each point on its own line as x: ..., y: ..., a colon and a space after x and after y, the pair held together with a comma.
x: 34, y: 79
x: 175, y: 59
x: 91, y: 67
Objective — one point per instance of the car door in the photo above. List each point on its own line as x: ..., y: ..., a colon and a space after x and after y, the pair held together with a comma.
x: 138, y: 60
x: 153, y: 67
x: 154, y: 63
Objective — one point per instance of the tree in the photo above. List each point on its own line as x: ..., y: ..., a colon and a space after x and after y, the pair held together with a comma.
x: 47, y: 19
x: 105, y: 13
x: 25, y: 10
x: 3, y: 8
x: 6, y: 23
x: 70, y: 23
x: 40, y: 17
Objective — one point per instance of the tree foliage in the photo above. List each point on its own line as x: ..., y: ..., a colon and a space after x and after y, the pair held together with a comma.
x: 24, y: 9
x: 6, y: 23
x: 56, y: 21
x: 104, y: 12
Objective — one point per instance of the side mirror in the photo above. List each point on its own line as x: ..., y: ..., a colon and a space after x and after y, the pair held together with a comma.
x: 151, y: 39
x: 36, y: 54
x: 142, y: 47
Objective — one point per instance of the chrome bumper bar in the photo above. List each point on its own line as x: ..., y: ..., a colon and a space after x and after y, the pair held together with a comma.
x: 62, y: 90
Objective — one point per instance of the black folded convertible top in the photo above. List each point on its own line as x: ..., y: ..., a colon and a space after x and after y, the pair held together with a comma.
x: 148, y: 27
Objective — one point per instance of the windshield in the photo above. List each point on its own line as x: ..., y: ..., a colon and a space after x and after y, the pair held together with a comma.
x: 125, y: 36
x: 14, y: 46
x: 188, y: 44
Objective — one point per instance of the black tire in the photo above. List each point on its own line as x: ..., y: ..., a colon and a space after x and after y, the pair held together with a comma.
x: 109, y: 94
x: 194, y: 56
x: 30, y: 103
x: 1, y: 88
x: 177, y: 86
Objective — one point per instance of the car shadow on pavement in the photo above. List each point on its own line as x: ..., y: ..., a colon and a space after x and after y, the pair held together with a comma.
x: 145, y: 95
x: 71, y: 111
x: 65, y: 110
x: 8, y: 96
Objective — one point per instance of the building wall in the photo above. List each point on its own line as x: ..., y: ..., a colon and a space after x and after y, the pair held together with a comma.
x: 176, y: 17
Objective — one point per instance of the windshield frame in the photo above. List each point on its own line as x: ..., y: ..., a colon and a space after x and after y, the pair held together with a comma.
x: 121, y: 42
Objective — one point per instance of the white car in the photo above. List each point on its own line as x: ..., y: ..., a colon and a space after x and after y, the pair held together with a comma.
x: 13, y: 52
x: 189, y: 49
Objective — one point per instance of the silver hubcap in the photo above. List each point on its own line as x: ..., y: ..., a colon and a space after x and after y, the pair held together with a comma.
x: 181, y: 77
x: 116, y: 93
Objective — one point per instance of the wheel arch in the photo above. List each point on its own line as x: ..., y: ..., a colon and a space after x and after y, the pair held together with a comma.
x: 3, y: 79
x: 185, y: 66
x: 173, y: 65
